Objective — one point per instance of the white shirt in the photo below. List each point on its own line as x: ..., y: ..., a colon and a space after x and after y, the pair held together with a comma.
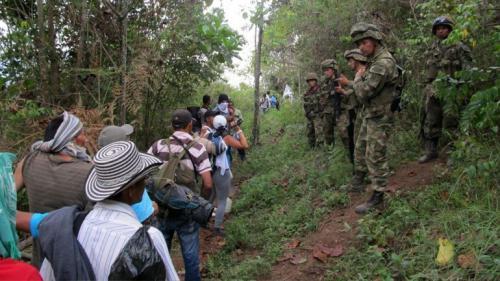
x: 104, y: 233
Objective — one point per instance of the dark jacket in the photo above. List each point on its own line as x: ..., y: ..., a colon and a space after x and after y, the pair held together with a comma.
x: 59, y: 242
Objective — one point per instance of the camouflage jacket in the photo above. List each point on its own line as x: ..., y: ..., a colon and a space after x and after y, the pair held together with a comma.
x: 375, y: 89
x: 447, y: 59
x: 349, y: 100
x: 311, y: 101
x: 325, y: 101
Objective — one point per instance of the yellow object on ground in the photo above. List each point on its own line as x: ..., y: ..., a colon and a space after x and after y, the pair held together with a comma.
x: 445, y: 252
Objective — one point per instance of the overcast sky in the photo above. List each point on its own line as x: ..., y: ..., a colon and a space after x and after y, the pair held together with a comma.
x: 233, y: 11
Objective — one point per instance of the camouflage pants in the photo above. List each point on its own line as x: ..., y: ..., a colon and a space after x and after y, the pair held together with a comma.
x: 342, y: 123
x: 370, y: 155
x: 328, y: 124
x: 433, y: 116
x: 318, y: 129
x: 311, y: 135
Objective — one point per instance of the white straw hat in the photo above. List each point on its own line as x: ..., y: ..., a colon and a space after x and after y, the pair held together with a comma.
x: 116, y: 167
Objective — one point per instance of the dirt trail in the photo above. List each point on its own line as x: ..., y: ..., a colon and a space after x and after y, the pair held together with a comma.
x: 339, y: 229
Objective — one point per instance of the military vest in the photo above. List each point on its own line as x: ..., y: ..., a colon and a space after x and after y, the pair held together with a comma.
x: 446, y: 58
x: 378, y: 102
x: 311, y: 101
x: 326, y: 96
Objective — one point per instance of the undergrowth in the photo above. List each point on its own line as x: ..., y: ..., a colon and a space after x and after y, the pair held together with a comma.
x: 291, y: 188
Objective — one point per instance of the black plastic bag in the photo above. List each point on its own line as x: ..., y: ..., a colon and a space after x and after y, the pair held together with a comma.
x: 139, y: 260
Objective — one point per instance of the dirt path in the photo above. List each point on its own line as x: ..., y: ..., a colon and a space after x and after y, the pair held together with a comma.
x: 209, y: 244
x: 339, y: 230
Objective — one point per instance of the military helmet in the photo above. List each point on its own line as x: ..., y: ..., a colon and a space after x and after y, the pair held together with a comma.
x: 362, y: 30
x: 329, y: 63
x: 355, y: 54
x: 444, y: 21
x: 311, y: 76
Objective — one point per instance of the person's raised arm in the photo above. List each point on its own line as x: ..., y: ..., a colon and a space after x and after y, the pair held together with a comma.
x: 242, y: 143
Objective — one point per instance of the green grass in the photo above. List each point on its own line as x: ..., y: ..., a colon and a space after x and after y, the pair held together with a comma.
x: 290, y: 189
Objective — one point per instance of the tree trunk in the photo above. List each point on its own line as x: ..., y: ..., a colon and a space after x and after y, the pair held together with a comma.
x: 256, y: 125
x: 124, y: 22
x: 40, y: 44
x: 82, y: 35
x: 54, y: 77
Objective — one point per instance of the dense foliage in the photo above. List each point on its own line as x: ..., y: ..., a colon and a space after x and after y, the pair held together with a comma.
x: 131, y: 60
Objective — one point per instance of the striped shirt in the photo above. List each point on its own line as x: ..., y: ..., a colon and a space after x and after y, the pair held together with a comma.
x: 198, y: 152
x: 105, y: 232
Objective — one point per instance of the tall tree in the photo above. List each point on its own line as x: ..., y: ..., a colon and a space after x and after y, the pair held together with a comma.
x: 256, y: 121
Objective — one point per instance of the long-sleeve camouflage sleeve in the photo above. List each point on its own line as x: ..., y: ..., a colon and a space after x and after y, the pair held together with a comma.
x: 368, y: 85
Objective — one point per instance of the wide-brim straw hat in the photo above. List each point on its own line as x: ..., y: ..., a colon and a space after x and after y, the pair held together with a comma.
x: 118, y: 166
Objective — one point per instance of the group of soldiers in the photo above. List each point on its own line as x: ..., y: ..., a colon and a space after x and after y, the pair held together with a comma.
x: 362, y: 110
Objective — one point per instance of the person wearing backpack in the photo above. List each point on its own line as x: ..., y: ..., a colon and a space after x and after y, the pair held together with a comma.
x: 223, y: 175
x: 194, y: 163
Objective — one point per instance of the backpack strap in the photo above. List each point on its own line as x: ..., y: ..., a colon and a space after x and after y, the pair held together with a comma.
x: 185, y: 150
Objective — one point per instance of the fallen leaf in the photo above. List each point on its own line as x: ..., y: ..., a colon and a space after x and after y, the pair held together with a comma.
x: 444, y: 195
x: 221, y: 243
x: 286, y: 257
x: 319, y: 255
x: 337, y: 251
x: 467, y: 260
x: 284, y: 183
x: 445, y: 252
x: 293, y: 244
x: 298, y: 260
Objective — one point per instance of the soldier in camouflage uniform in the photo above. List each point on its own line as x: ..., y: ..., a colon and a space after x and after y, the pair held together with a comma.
x: 375, y: 88
x: 326, y: 107
x: 446, y: 59
x: 346, y: 120
x: 311, y: 110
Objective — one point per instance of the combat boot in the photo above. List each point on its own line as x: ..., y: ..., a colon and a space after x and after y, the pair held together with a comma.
x: 376, y: 199
x: 430, y: 151
x: 357, y: 182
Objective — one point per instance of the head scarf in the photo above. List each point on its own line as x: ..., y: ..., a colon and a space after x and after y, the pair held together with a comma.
x: 63, y: 139
x: 8, y: 200
x: 223, y: 108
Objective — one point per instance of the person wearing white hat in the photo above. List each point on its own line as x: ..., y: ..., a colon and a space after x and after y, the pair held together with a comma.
x: 116, y: 182
x: 222, y: 175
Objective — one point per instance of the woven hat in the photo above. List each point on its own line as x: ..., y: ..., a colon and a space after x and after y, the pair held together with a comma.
x: 117, y: 166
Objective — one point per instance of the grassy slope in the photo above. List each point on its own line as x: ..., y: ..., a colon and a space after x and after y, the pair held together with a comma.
x: 291, y: 188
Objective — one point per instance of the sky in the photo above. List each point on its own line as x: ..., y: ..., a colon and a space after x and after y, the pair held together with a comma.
x: 233, y: 11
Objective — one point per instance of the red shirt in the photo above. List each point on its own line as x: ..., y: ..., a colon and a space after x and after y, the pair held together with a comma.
x: 17, y: 270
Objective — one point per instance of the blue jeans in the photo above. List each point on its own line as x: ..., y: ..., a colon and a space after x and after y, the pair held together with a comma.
x: 188, y: 232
